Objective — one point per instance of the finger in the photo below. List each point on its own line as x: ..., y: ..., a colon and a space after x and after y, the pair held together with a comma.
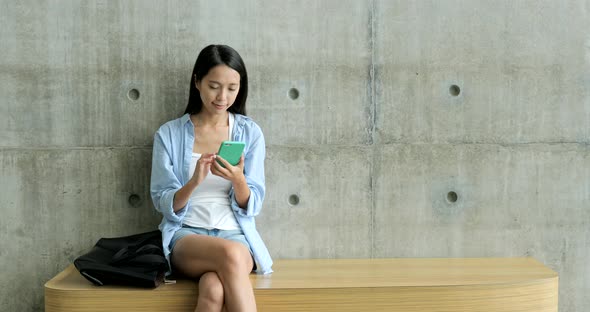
x: 241, y: 162
x: 216, y: 168
x: 223, y: 161
x: 206, y: 158
x: 219, y: 171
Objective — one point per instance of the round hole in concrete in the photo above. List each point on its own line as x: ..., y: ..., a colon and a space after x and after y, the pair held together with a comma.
x: 293, y: 94
x: 133, y: 94
x: 452, y: 197
x: 294, y: 200
x: 454, y: 90
x: 134, y: 200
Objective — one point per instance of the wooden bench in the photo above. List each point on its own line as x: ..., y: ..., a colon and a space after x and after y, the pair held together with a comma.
x: 471, y: 284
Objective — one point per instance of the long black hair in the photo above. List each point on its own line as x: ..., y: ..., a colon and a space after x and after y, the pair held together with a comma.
x: 210, y: 57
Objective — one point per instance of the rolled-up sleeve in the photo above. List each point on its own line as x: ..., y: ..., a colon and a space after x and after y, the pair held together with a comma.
x: 164, y: 183
x: 254, y: 172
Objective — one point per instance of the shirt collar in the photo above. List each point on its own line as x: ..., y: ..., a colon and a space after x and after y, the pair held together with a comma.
x: 185, y: 118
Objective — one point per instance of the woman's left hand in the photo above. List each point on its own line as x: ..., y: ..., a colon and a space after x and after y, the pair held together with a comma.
x: 231, y: 173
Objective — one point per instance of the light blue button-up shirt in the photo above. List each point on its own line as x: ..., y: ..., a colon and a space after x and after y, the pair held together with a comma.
x: 173, y: 147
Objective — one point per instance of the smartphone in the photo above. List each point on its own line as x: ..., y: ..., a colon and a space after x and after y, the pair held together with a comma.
x: 231, y: 151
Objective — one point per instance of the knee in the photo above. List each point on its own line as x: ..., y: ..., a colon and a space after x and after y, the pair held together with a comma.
x: 236, y: 259
x: 210, y: 289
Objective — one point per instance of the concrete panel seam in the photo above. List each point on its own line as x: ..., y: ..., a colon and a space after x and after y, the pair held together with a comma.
x: 373, y: 106
x: 74, y: 148
x: 149, y: 147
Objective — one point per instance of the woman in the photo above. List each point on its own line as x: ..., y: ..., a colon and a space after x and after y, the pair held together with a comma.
x: 208, y: 229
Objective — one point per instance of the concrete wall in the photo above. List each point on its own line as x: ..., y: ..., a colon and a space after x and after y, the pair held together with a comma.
x: 372, y: 148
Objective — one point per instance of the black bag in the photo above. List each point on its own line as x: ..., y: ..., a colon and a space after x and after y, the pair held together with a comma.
x: 136, y: 260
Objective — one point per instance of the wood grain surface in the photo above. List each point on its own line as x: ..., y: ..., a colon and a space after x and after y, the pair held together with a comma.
x: 441, y: 285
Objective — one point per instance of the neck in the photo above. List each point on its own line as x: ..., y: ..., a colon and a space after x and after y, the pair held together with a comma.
x: 204, y: 119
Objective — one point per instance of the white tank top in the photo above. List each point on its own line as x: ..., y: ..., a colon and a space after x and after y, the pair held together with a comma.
x: 209, y: 204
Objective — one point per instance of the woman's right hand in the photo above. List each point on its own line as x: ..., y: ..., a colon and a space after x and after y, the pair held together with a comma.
x: 202, y: 168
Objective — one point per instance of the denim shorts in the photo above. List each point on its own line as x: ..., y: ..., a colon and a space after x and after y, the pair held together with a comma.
x: 232, y: 235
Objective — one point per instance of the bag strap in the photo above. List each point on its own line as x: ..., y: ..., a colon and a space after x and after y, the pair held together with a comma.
x: 131, y: 241
x: 128, y: 253
x: 148, y: 263
x: 152, y: 235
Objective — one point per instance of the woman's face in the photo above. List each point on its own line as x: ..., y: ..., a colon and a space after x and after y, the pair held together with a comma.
x: 219, y: 88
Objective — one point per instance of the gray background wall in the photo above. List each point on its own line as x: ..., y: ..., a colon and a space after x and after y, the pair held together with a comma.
x: 372, y: 146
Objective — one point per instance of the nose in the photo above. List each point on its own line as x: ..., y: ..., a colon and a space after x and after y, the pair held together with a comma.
x: 222, y: 94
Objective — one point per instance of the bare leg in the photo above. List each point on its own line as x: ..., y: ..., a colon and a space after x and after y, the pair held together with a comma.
x: 195, y: 255
x: 210, y: 293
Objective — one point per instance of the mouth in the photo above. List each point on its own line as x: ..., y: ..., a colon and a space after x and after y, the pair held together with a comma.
x: 219, y: 106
